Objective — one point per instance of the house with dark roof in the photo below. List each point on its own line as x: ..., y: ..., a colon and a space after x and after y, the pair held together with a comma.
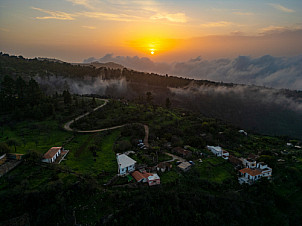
x: 183, y: 152
x: 185, y: 166
x: 236, y: 162
x: 163, y: 166
x: 52, y: 154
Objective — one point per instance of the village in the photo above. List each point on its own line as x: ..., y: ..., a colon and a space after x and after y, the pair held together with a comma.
x: 248, y: 169
x: 129, y: 148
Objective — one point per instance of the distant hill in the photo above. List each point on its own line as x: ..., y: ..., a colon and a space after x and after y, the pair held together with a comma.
x: 97, y: 64
x: 50, y: 59
x: 264, y: 110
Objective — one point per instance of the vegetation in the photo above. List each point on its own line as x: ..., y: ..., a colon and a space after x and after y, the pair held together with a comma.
x: 251, y: 109
x: 83, y: 188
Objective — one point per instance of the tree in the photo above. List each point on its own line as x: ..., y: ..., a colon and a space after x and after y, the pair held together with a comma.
x: 93, y: 149
x: 34, y: 156
x: 13, y: 142
x: 33, y: 92
x: 93, y: 102
x: 20, y: 88
x: 67, y: 97
x: 149, y: 97
x: 168, y: 102
x: 123, y: 146
x: 3, y: 148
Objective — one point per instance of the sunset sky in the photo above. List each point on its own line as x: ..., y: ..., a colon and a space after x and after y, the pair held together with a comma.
x: 72, y: 30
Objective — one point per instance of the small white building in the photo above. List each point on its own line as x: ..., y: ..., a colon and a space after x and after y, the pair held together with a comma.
x: 154, y: 179
x: 266, y: 171
x: 243, y: 132
x: 125, y: 164
x: 249, y: 163
x: 218, y: 151
x: 52, y: 154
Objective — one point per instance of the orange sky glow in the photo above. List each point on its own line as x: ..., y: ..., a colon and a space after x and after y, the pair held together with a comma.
x: 72, y: 30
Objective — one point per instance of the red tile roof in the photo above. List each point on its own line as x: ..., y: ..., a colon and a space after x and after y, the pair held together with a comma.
x: 252, y: 172
x: 146, y: 175
x: 137, y: 175
x: 51, y: 152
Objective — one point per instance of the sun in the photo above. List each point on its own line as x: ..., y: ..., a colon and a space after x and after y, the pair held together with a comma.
x: 152, y: 51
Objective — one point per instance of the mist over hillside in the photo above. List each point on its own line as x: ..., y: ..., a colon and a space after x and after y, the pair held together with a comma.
x: 265, y: 110
x: 276, y: 72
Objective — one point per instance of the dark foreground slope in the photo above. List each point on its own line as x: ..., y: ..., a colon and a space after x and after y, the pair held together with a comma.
x: 268, y: 111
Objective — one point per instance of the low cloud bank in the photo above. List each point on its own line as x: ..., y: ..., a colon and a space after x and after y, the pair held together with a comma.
x: 88, y: 85
x: 276, y: 72
x: 249, y: 95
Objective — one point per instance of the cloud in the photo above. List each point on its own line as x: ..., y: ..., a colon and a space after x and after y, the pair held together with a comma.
x: 89, y: 27
x: 243, y: 13
x: 276, y: 72
x: 273, y: 29
x: 218, y: 24
x: 86, y: 85
x: 109, y: 16
x: 248, y: 94
x: 280, y: 29
x: 176, y: 17
x: 81, y: 2
x: 117, y: 10
x: 281, y: 8
x: 4, y: 29
x: 58, y: 15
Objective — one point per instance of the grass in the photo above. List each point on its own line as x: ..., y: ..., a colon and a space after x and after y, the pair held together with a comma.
x: 215, y: 170
x: 32, y: 176
x: 169, y: 177
x: 35, y: 135
x: 86, y: 163
x: 164, y: 157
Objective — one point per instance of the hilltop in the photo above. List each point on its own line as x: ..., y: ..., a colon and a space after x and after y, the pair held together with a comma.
x: 96, y: 64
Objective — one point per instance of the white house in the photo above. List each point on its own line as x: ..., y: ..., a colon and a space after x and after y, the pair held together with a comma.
x: 125, y: 164
x: 249, y: 163
x: 154, y: 179
x: 250, y: 175
x: 225, y: 154
x: 52, y: 154
x: 218, y: 151
x: 266, y: 171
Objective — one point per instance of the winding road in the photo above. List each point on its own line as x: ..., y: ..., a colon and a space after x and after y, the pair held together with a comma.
x: 68, y: 124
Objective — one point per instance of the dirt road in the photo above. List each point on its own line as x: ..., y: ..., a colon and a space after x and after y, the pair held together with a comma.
x: 68, y: 124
